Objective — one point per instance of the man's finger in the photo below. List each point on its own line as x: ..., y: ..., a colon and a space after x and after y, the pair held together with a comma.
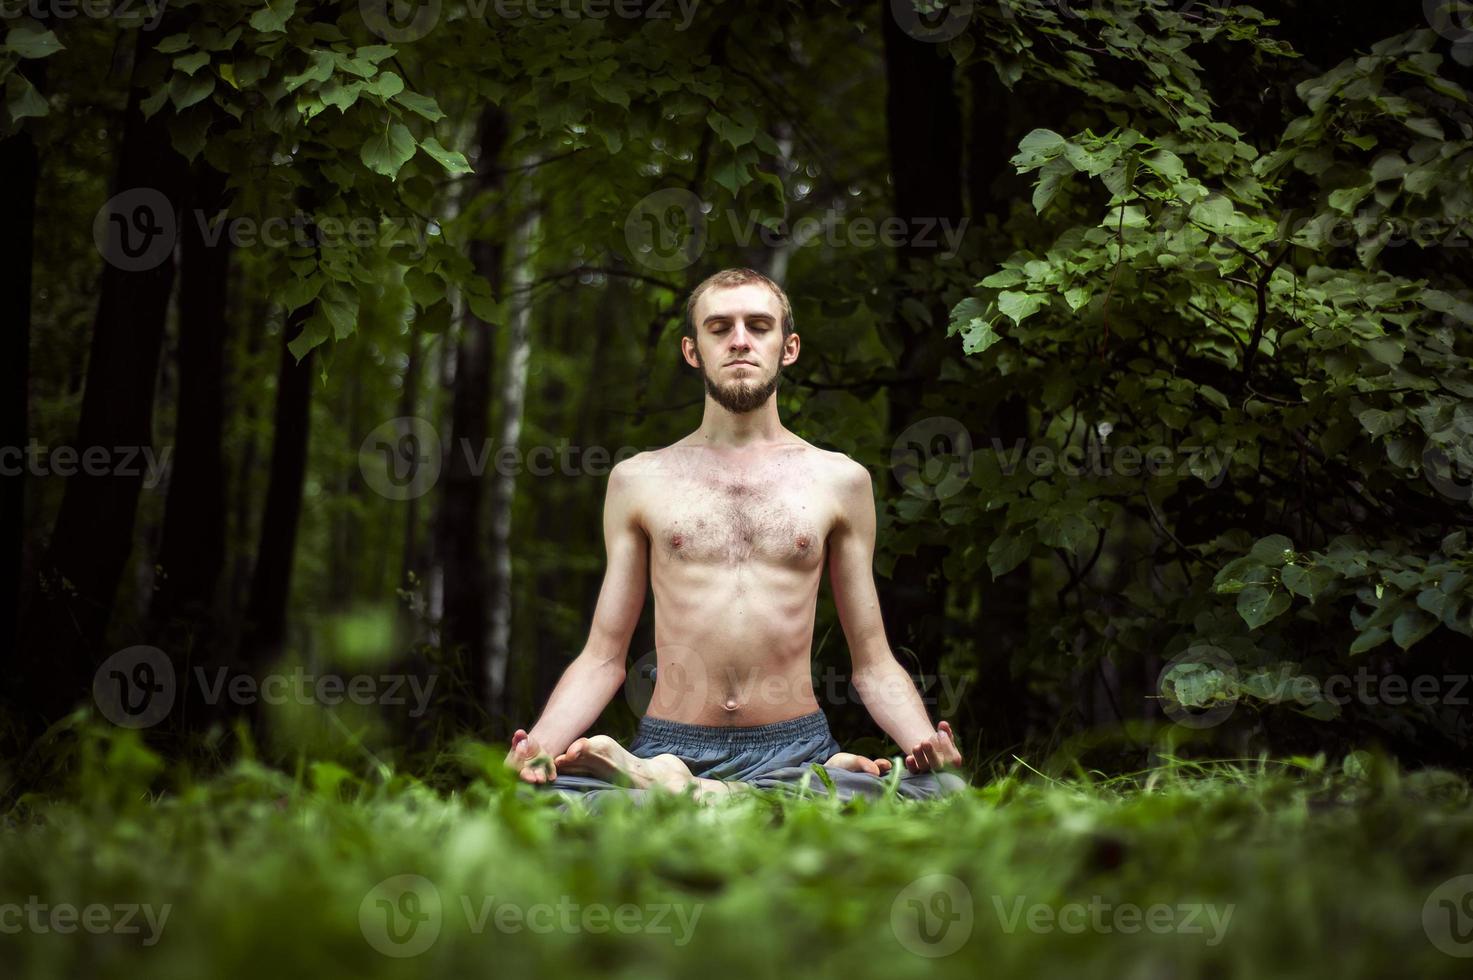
x: 883, y: 765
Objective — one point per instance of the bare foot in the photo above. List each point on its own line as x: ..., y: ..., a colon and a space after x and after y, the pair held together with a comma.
x: 601, y: 756
x: 859, y: 763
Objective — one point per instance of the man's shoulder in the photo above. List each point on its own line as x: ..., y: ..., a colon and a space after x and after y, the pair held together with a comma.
x: 839, y: 469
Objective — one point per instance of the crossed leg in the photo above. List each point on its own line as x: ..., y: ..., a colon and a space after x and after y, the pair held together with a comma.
x: 604, y: 758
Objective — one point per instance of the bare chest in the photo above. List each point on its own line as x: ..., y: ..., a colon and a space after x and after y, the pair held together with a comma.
x: 736, y: 517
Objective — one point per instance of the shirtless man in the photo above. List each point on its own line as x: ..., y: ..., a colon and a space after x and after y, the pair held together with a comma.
x: 733, y: 526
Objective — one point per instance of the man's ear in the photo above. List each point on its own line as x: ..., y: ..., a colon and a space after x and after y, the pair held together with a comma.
x: 790, y: 349
x: 689, y: 351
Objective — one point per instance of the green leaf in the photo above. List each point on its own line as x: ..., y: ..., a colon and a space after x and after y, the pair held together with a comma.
x: 340, y: 309
x: 1411, y: 626
x: 1257, y: 605
x: 273, y: 18
x: 1165, y: 164
x: 173, y: 44
x: 315, y: 332
x: 339, y: 95
x: 452, y: 160
x: 1240, y: 573
x: 1008, y: 551
x: 735, y: 133
x: 1036, y: 147
x: 1215, y: 213
x: 319, y: 69
x: 1050, y: 181
x: 1387, y: 350
x: 374, y: 53
x: 612, y: 90
x: 387, y: 85
x: 1369, y: 640
x: 1273, y: 550
x: 22, y: 100
x: 186, y: 90
x: 420, y: 104
x: 1018, y: 306
x: 32, y: 41
x: 191, y: 63
x: 387, y: 151
x: 425, y: 288
x: 1378, y: 423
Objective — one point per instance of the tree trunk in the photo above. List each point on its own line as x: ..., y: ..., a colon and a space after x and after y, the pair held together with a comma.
x: 192, y: 551
x: 265, y: 625
x: 504, y: 484
x: 999, y: 699
x: 463, y: 625
x: 924, y: 128
x: 94, y: 528
x: 18, y: 161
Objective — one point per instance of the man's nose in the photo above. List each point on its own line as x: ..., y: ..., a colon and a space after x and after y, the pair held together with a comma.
x: 740, y: 338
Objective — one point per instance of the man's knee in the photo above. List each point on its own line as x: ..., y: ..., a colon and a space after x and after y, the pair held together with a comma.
x: 929, y: 785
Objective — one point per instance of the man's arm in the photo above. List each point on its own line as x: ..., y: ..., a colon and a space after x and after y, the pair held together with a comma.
x: 597, y: 673
x: 888, y: 692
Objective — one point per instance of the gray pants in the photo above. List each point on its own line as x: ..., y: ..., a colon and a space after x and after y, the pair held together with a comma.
x: 766, y: 756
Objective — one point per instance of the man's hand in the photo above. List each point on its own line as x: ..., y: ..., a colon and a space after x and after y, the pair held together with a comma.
x: 530, y: 760
x: 935, y: 753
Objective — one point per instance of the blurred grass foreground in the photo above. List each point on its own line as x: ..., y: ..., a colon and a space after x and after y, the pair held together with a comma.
x: 1232, y: 869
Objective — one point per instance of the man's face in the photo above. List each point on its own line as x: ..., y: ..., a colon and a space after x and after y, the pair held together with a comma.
x: 739, y: 346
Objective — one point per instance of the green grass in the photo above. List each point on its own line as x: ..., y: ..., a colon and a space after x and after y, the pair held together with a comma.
x: 1311, y: 870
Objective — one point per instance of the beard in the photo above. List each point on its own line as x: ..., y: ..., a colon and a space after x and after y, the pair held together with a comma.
x: 741, y: 397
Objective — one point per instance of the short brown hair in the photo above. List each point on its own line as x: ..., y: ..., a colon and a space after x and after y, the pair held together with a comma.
x: 736, y: 277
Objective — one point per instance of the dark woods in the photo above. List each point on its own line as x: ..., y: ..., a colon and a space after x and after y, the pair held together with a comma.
x: 324, y: 323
